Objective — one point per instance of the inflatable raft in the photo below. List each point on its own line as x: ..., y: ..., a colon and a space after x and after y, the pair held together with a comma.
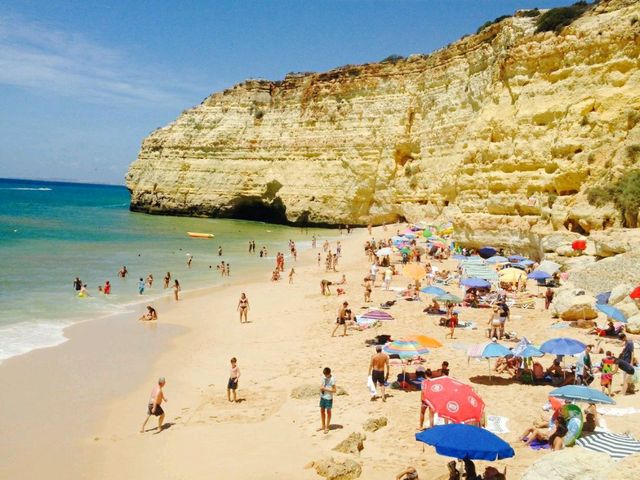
x: 200, y: 235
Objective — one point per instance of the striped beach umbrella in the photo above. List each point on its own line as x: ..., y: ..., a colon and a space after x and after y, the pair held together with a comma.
x: 405, y: 348
x: 616, y: 445
x: 377, y: 315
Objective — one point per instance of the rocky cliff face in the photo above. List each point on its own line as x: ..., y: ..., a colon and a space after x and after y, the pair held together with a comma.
x: 502, y: 132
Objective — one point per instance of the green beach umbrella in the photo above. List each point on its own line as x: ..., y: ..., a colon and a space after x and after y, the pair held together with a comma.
x: 448, y: 298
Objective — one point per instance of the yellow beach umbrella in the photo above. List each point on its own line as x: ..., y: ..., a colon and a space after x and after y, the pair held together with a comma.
x: 512, y: 275
x: 413, y: 271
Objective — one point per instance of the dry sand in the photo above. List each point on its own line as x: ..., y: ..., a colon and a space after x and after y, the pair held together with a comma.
x: 74, y: 411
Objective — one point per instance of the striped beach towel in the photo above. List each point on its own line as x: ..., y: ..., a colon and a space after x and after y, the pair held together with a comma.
x: 616, y: 445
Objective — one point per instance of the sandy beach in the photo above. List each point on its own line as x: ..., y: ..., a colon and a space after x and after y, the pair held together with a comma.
x: 78, y: 407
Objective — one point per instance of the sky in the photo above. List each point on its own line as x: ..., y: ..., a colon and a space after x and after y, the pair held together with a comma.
x: 83, y: 82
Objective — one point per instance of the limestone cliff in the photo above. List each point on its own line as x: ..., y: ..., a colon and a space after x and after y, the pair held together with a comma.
x: 502, y: 132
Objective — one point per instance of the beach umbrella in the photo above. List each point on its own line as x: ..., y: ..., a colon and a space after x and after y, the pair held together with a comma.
x: 635, y: 294
x: 526, y: 262
x: 562, y: 346
x: 517, y: 258
x: 549, y: 267
x: 433, y: 291
x: 383, y: 252
x: 538, y: 275
x: 603, y: 298
x: 447, y: 297
x: 616, y: 445
x: 413, y: 271
x: 452, y: 399
x: 405, y: 348
x: 579, y: 245
x: 458, y: 257
x: 511, y: 275
x: 529, y: 351
x: 409, y: 235
x: 424, y: 341
x: 612, y: 312
x: 377, y: 315
x: 580, y: 393
x: 438, y: 244
x: 465, y: 441
x: 486, y: 252
x: 475, y: 283
x: 397, y: 239
x: 497, y: 259
x: 518, y: 265
x: 494, y: 350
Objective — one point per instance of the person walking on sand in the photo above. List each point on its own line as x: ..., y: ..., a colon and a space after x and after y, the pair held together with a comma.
x: 327, y: 389
x: 243, y: 307
x: 379, y: 370
x: 291, y: 274
x: 155, y: 405
x: 167, y: 279
x: 234, y: 377
x: 344, y: 314
x: 176, y: 289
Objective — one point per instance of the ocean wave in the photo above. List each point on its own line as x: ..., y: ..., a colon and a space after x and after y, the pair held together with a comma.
x: 20, y: 338
x: 40, y: 189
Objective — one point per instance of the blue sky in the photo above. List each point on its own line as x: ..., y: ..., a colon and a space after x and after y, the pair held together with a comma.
x: 83, y: 82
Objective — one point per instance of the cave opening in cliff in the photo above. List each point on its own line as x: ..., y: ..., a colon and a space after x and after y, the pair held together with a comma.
x: 255, y: 208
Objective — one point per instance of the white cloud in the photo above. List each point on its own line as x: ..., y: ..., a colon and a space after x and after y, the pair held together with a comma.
x: 51, y: 61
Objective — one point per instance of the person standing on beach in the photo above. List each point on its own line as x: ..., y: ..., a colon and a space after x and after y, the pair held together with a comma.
x: 313, y: 242
x: 548, y: 298
x: 243, y: 307
x: 219, y: 250
x: 291, y: 274
x: 141, y: 286
x: 234, y: 377
x: 155, y: 405
x: 625, y: 362
x: 167, y: 279
x: 150, y: 280
x: 107, y: 288
x: 327, y: 389
x: 77, y: 284
x: 189, y: 260
x: 176, y: 289
x: 344, y: 314
x: 250, y: 246
x: 319, y: 258
x: 228, y: 270
x: 368, y: 287
x: 379, y: 370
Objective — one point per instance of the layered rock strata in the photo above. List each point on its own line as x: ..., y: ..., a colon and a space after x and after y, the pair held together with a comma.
x: 503, y: 132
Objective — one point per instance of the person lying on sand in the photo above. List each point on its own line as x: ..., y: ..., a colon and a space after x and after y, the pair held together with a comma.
x: 553, y: 436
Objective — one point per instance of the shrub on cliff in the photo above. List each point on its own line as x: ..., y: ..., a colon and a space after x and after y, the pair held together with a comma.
x: 624, y: 194
x: 392, y: 59
x: 491, y: 22
x: 556, y: 19
x: 530, y: 13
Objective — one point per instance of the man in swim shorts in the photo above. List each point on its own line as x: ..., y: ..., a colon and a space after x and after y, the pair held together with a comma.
x: 155, y: 405
x: 379, y: 370
x: 234, y: 377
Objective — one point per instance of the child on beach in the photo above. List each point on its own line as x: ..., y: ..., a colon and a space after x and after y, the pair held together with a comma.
x: 327, y: 389
x: 234, y: 376
x: 141, y: 286
x: 607, y: 371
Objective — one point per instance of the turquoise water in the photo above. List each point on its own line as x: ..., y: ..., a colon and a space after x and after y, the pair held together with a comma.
x: 52, y: 232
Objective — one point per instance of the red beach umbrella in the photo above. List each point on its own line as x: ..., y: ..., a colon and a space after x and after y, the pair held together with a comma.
x: 635, y: 294
x: 579, y: 245
x: 453, y: 400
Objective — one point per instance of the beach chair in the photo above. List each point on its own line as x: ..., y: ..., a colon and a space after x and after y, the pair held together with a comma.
x: 527, y: 303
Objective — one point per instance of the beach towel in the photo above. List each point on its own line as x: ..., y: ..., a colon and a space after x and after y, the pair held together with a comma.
x: 537, y: 445
x: 559, y: 325
x: 365, y: 322
x: 618, y: 411
x: 497, y: 424
x: 616, y: 445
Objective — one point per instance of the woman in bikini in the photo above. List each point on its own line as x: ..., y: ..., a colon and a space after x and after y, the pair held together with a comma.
x: 243, y: 308
x: 176, y: 289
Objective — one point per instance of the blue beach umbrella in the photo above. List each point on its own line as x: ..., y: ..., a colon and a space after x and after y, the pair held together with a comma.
x: 580, y: 393
x: 475, y: 283
x: 458, y: 257
x: 562, y: 346
x: 497, y: 259
x: 458, y: 440
x: 517, y: 258
x: 603, y: 297
x: 530, y: 351
x: 433, y: 291
x: 517, y: 265
x: 612, y: 312
x: 494, y: 350
x: 538, y: 275
x: 526, y: 262
x: 486, y: 252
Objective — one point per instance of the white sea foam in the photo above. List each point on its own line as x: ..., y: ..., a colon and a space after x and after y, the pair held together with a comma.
x: 41, y: 189
x: 22, y: 337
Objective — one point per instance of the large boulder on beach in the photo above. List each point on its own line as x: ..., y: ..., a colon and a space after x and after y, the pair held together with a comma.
x: 375, y: 424
x: 615, y: 241
x: 606, y: 274
x: 311, y: 390
x: 633, y: 324
x: 620, y: 292
x: 354, y: 443
x: 551, y: 243
x: 574, y: 304
x: 332, y: 469
x: 628, y: 309
x: 575, y: 463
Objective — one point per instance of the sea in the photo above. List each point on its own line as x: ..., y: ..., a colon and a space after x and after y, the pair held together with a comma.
x: 53, y: 232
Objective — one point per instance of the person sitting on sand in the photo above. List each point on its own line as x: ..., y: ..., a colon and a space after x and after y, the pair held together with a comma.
x: 150, y: 315
x: 554, y: 437
x: 492, y: 473
x: 510, y: 364
x: 454, y: 473
x: 591, y: 420
x: 442, y: 371
x: 556, y: 373
x: 408, y: 473
x: 155, y: 404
